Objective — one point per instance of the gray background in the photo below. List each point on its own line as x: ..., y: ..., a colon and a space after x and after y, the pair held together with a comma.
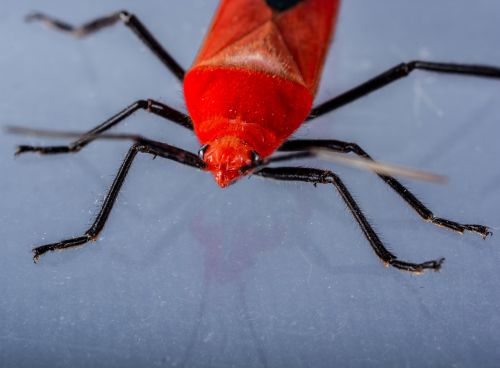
x: 262, y: 273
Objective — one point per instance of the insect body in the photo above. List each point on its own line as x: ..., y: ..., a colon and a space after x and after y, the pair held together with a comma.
x: 249, y: 89
x: 253, y: 82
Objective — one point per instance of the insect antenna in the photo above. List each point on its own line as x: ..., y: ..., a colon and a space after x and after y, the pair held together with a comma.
x: 378, y: 167
x: 50, y: 133
x: 382, y: 168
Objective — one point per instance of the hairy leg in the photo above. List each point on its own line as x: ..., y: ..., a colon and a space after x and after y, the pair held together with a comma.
x: 142, y: 146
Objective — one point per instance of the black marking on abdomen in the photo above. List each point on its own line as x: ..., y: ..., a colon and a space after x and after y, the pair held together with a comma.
x: 282, y: 5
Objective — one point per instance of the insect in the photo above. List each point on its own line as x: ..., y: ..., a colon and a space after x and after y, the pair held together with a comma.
x: 250, y: 87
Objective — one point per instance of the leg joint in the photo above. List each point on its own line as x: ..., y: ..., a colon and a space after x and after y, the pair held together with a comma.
x: 410, y: 66
x: 138, y: 147
x: 143, y: 104
x: 125, y: 16
x: 328, y: 177
x: 353, y: 147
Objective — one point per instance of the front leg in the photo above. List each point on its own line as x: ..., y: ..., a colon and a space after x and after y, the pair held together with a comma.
x: 328, y: 177
x: 424, y: 212
x: 144, y: 146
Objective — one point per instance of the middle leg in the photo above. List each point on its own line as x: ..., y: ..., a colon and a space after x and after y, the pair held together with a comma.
x: 151, y: 106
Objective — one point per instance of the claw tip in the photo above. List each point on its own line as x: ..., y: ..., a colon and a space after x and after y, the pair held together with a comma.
x: 36, y: 255
x: 439, y: 263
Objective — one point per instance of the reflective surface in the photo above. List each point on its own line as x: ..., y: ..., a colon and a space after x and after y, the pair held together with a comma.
x: 262, y: 273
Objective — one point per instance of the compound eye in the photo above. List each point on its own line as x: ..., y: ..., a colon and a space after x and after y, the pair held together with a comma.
x: 201, y: 151
x: 255, y: 157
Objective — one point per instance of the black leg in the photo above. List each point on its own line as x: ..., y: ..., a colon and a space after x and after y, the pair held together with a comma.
x: 327, y: 177
x: 145, y: 146
x: 409, y: 197
x: 130, y: 21
x: 397, y: 72
x: 154, y: 107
